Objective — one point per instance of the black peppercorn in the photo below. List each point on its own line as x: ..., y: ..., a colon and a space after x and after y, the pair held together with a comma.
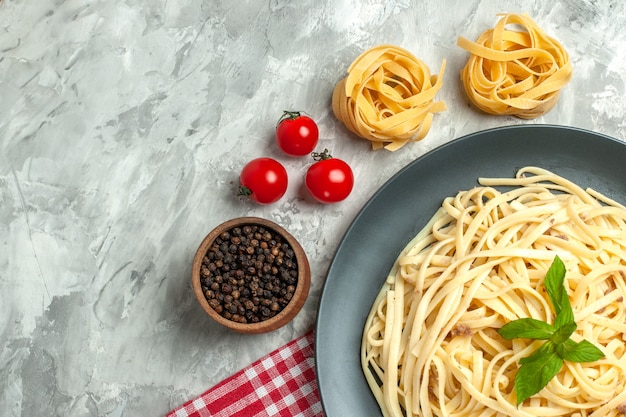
x: 249, y: 274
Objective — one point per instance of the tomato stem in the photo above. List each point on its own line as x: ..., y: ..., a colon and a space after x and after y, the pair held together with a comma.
x: 321, y: 156
x: 288, y: 115
x: 244, y: 191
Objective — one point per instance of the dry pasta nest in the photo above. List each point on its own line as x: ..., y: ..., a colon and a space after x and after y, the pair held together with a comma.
x: 388, y: 97
x: 515, y: 72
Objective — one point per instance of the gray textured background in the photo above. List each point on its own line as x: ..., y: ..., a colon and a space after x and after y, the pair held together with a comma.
x: 123, y: 128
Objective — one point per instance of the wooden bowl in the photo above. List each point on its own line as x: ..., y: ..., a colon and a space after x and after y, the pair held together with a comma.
x: 200, y: 270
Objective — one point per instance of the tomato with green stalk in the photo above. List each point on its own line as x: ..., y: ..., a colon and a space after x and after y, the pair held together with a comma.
x: 296, y: 134
x: 329, y: 180
x: 263, y: 180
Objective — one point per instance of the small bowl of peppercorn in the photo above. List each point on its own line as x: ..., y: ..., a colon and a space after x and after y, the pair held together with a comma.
x: 251, y: 275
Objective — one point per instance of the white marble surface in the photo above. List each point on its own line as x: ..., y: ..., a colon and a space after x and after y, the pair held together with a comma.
x: 123, y: 127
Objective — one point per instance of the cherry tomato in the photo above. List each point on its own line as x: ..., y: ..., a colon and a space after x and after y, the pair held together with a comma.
x: 296, y: 134
x: 263, y: 180
x: 329, y: 180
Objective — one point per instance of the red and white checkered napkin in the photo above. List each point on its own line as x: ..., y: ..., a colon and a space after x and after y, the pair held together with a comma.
x: 280, y: 384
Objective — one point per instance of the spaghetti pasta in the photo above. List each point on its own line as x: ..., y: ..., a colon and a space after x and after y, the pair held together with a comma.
x: 512, y: 72
x: 430, y: 345
x: 388, y: 97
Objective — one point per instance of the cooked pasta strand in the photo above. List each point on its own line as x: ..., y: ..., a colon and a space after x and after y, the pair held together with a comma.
x: 430, y: 345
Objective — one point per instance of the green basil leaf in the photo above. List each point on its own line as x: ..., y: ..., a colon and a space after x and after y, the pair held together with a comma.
x: 526, y: 328
x: 547, y: 348
x: 563, y: 333
x: 583, y: 351
x: 555, y: 287
x: 565, y: 315
x: 555, y: 277
x: 535, y: 374
x: 543, y: 364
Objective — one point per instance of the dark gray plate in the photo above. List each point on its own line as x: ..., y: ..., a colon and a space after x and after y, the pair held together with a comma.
x: 397, y: 212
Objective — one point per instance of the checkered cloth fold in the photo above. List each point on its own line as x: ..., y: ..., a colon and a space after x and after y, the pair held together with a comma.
x: 280, y: 384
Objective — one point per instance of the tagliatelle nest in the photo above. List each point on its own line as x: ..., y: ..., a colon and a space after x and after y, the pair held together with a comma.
x: 388, y: 97
x: 515, y: 72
